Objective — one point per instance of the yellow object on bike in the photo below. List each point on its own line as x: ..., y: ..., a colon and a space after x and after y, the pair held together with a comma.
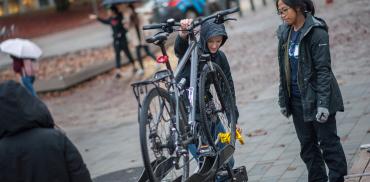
x: 240, y: 137
x: 225, y: 137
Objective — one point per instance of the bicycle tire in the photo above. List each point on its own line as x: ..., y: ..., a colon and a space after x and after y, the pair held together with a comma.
x: 151, y: 148
x: 226, y: 114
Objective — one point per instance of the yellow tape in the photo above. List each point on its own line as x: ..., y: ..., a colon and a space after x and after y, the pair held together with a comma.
x: 225, y: 137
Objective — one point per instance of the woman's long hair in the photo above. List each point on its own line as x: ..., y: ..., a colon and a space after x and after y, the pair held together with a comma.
x: 304, y: 5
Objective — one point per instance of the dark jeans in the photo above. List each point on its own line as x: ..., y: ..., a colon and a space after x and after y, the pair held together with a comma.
x: 147, y: 51
x: 121, y: 44
x: 320, y: 145
x: 28, y: 84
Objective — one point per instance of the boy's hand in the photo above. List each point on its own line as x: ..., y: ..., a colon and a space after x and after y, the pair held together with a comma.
x: 239, y: 128
x: 184, y: 25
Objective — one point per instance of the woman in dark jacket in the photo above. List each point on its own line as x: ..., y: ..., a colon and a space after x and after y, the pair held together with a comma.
x: 308, y: 89
x: 119, y: 37
x: 31, y: 150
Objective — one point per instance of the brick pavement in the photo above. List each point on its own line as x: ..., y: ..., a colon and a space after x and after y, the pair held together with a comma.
x: 275, y: 156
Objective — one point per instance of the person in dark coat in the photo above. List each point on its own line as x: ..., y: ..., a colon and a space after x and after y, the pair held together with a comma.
x: 212, y: 37
x: 308, y: 89
x: 119, y: 37
x: 135, y: 20
x: 31, y: 150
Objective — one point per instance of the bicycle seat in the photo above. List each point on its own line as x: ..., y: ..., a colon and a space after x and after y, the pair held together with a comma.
x: 159, y: 37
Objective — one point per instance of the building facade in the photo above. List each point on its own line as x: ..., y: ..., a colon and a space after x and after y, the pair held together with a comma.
x: 8, y: 7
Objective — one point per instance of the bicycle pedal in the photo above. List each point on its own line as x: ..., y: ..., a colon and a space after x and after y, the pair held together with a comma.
x: 206, y: 152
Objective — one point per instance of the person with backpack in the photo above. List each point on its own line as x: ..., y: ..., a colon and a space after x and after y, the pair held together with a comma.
x: 25, y: 70
x: 308, y: 89
x: 120, y: 41
x: 31, y: 148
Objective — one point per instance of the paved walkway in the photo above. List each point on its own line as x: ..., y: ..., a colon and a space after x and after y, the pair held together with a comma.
x: 275, y: 156
x: 270, y: 157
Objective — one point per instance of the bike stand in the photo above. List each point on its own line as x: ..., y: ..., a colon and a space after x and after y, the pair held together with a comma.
x: 207, y: 173
x: 212, y: 164
x: 239, y: 175
x: 161, y: 167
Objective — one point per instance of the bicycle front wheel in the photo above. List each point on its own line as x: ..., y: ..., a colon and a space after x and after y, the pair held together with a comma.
x: 157, y: 138
x: 217, y: 106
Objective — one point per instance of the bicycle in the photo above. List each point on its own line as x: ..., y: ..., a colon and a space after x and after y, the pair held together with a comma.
x: 166, y: 155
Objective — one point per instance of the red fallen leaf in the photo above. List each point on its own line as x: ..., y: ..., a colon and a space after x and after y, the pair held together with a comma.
x: 258, y: 132
x: 291, y: 168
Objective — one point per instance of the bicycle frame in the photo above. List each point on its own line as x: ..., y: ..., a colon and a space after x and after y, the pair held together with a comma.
x: 192, y: 54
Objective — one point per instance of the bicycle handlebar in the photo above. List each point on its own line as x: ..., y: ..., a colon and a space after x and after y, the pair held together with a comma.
x: 217, y: 15
x: 171, y: 23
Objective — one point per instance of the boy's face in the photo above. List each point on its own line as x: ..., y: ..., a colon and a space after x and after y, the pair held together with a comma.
x: 214, y: 43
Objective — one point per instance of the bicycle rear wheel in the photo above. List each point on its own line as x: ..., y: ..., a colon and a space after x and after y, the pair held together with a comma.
x: 217, y: 106
x: 157, y: 138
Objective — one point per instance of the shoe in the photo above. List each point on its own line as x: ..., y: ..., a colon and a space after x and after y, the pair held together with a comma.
x: 140, y: 72
x: 117, y: 75
x: 134, y: 70
x: 222, y: 175
x: 206, y: 150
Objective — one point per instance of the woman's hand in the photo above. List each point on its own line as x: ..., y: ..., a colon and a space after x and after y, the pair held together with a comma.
x: 184, y: 25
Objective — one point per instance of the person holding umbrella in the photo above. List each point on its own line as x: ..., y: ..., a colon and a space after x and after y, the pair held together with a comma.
x: 120, y: 42
x: 25, y: 71
x: 24, y: 54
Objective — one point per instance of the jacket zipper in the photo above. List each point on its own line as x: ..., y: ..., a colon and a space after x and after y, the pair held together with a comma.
x: 299, y: 58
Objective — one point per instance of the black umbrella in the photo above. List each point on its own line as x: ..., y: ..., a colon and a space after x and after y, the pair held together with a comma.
x: 110, y: 2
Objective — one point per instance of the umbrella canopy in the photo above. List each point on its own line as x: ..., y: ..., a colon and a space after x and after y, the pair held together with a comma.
x: 21, y: 48
x: 110, y: 2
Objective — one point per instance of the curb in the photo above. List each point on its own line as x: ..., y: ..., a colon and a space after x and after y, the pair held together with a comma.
x: 62, y: 83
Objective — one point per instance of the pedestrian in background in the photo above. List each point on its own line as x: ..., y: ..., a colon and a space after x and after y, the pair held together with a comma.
x: 308, y: 89
x: 25, y: 70
x: 30, y: 148
x: 120, y: 42
x: 136, y: 21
